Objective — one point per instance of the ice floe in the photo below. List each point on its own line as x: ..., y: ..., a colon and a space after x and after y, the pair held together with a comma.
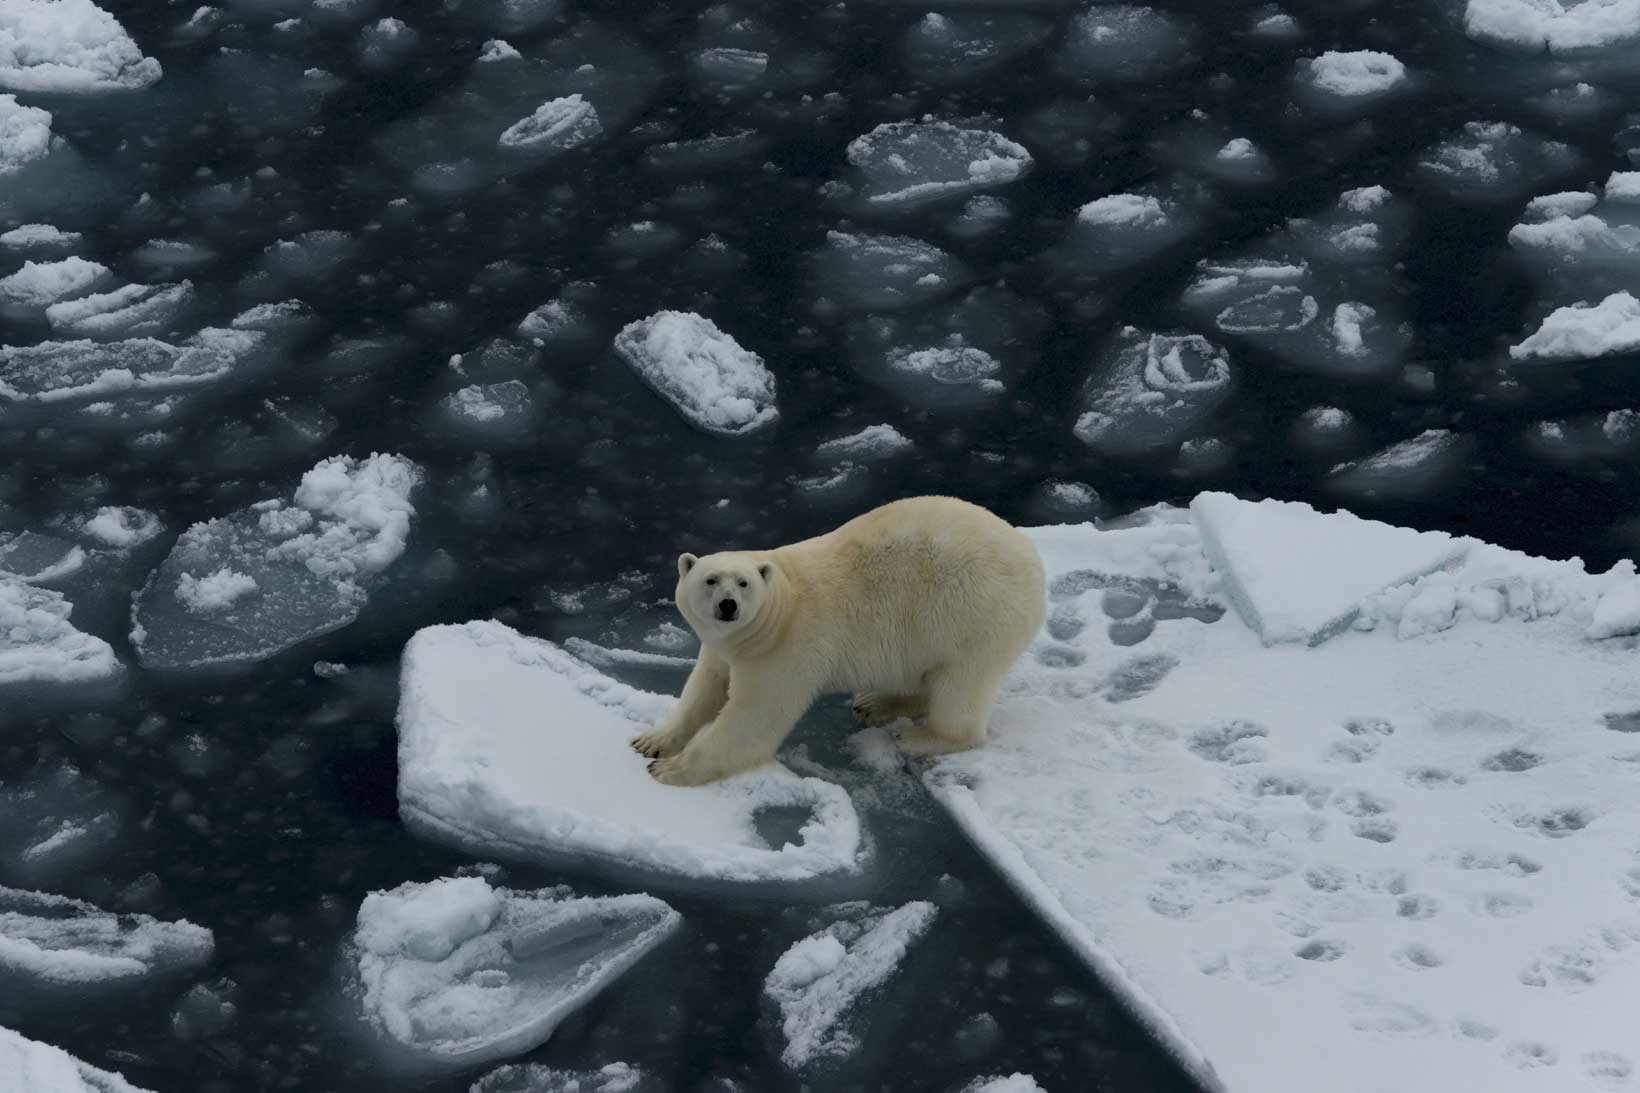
x: 1584, y: 248
x: 68, y: 47
x: 25, y: 135
x: 1123, y: 43
x: 39, y: 645
x: 1585, y: 331
x: 1151, y: 389
x: 885, y: 272
x: 458, y: 972
x: 1554, y: 26
x: 1412, y: 468
x: 872, y: 442
x: 33, y: 1067
x: 510, y: 746
x: 953, y: 46
x: 817, y: 983
x: 245, y: 586
x: 1400, y: 858
x: 62, y: 371
x: 122, y: 313
x: 57, y: 944
x: 1351, y: 76
x: 557, y: 123
x: 905, y: 164
x: 1495, y: 161
x: 535, y: 1078
x: 39, y: 284
x: 713, y: 382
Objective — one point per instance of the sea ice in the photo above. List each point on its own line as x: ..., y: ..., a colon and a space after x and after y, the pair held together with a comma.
x: 1585, y: 331
x: 122, y: 527
x: 494, y: 410
x: 39, y: 237
x: 872, y: 442
x: 25, y: 135
x: 1413, y: 467
x: 39, y: 284
x: 885, y: 272
x: 510, y: 746
x: 1316, y: 594
x: 68, y: 47
x: 951, y: 355
x: 1554, y: 26
x: 248, y: 585
x: 1120, y: 230
x: 1151, y: 389
x: 556, y: 124
x: 1352, y: 76
x: 39, y: 645
x: 1583, y: 249
x: 817, y: 983
x: 122, y: 313
x: 535, y: 1078
x: 54, y: 943
x: 1010, y: 1083
x: 953, y: 46
x: 32, y: 1067
x: 1123, y: 43
x: 904, y: 164
x: 459, y: 972
x: 1495, y: 161
x: 59, y: 371
x: 1400, y: 859
x: 713, y: 382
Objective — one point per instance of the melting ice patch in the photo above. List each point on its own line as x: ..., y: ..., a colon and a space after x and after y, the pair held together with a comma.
x: 1402, y: 858
x: 1494, y: 161
x: 458, y: 972
x: 885, y: 272
x: 39, y: 284
x: 68, y: 47
x: 245, y: 586
x: 1123, y: 43
x: 818, y: 981
x: 56, y: 943
x: 1409, y: 468
x: 713, y: 382
x: 953, y: 46
x: 42, y: 1068
x: 908, y: 163
x: 535, y: 1078
x: 122, y: 313
x: 510, y: 746
x: 1151, y: 390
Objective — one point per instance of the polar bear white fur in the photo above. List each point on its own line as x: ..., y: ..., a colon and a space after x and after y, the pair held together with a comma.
x: 918, y: 608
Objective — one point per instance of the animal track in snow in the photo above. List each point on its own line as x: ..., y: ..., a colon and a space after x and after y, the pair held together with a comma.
x: 1123, y: 602
x: 1066, y: 622
x: 1516, y: 865
x: 1624, y: 722
x: 1358, y: 802
x: 1433, y: 778
x: 1416, y: 957
x: 1500, y: 904
x: 1139, y: 676
x: 1060, y: 656
x: 1370, y: 1013
x: 1527, y: 1054
x: 1132, y: 631
x: 1512, y: 760
x: 1607, y: 1068
x: 1378, y: 829
x: 1232, y: 742
x: 1322, y: 950
x: 1254, y: 963
x: 1418, y: 907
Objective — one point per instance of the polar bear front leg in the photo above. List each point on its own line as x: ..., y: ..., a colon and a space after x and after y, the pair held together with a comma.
x: 703, y: 697
x: 746, y: 734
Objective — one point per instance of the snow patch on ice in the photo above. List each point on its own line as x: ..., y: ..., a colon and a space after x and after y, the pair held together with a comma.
x: 68, y: 47
x: 713, y: 382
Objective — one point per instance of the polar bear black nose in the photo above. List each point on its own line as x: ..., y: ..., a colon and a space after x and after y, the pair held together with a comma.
x: 727, y: 610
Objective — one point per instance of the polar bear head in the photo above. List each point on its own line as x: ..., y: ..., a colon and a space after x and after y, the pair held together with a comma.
x: 722, y: 594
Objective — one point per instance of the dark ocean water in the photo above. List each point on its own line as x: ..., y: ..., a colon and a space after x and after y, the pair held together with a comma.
x: 282, y: 816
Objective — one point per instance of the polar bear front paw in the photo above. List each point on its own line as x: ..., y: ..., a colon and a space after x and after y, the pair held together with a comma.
x: 656, y: 744
x: 674, y: 771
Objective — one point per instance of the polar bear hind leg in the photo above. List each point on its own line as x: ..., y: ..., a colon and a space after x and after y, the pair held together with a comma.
x: 960, y: 698
x: 875, y: 709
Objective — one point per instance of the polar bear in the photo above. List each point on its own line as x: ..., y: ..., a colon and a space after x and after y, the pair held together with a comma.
x: 918, y: 608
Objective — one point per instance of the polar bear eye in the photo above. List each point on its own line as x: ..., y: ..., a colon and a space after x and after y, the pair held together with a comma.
x: 711, y: 580
x: 743, y: 584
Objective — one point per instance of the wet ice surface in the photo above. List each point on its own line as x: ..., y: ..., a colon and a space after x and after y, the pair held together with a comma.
x: 1393, y: 246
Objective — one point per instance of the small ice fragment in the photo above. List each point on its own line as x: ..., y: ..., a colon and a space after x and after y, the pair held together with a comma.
x: 53, y: 942
x: 715, y: 383
x: 872, y: 442
x: 1355, y: 74
x: 556, y: 124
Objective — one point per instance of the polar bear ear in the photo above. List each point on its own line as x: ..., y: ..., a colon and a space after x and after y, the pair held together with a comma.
x: 765, y: 569
x: 686, y: 562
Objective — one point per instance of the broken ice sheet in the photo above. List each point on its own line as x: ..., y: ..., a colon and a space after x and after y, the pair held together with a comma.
x: 457, y: 972
x: 51, y: 943
x: 902, y: 165
x: 860, y: 272
x: 1582, y: 248
x: 1416, y: 467
x: 818, y: 982
x: 1151, y: 390
x: 250, y: 584
x: 53, y: 372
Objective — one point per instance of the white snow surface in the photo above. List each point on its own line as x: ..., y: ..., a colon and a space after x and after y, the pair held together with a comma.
x: 1584, y: 331
x: 68, y: 47
x: 460, y: 972
x: 25, y: 135
x: 59, y: 942
x: 510, y: 746
x: 1400, y: 860
x: 29, y: 1066
x: 39, y: 645
x: 1553, y: 24
x: 715, y: 383
x: 1356, y: 73
x: 817, y: 982
x: 39, y: 284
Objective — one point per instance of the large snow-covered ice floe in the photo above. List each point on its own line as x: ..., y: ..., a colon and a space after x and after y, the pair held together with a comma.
x: 30, y: 1066
x: 1554, y: 26
x: 247, y: 585
x: 458, y: 972
x: 510, y: 746
x: 51, y: 942
x: 39, y: 645
x: 714, y: 382
x: 906, y: 163
x: 1401, y: 858
x: 816, y: 983
x: 68, y: 47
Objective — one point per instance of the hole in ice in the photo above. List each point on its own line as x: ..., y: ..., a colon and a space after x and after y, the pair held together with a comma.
x: 781, y: 825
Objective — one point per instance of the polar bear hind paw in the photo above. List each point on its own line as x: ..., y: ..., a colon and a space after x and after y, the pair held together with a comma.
x: 874, y: 709
x: 922, y: 742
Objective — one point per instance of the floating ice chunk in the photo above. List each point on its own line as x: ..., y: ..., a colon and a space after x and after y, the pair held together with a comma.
x: 713, y: 382
x: 952, y: 365
x: 1011, y: 1083
x: 281, y: 317
x: 50, y: 941
x: 497, y: 50
x: 311, y: 254
x: 458, y: 972
x: 885, y: 272
x: 1123, y: 43
x: 1272, y: 22
x: 134, y: 309
x: 955, y: 355
x: 907, y: 163
x: 535, y: 1078
x: 1296, y: 574
x: 1151, y: 389
x: 1123, y: 229
x: 555, y: 125
x: 1621, y: 186
x: 57, y: 371
x: 25, y: 135
x: 555, y: 320
x: 509, y: 746
x: 1552, y: 25
x: 68, y: 47
x: 38, y: 644
x: 950, y: 47
x: 817, y: 982
x: 1585, y: 331
x: 1126, y: 210
x: 1409, y: 468
x: 730, y: 67
x: 980, y: 216
x: 245, y: 586
x: 122, y: 527
x: 38, y: 284
x: 490, y: 407
x: 38, y: 236
x: 1363, y: 199
x: 386, y: 41
x: 1572, y: 203
x: 1494, y: 160
x: 872, y: 442
x: 1357, y: 74
x: 34, y: 1067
